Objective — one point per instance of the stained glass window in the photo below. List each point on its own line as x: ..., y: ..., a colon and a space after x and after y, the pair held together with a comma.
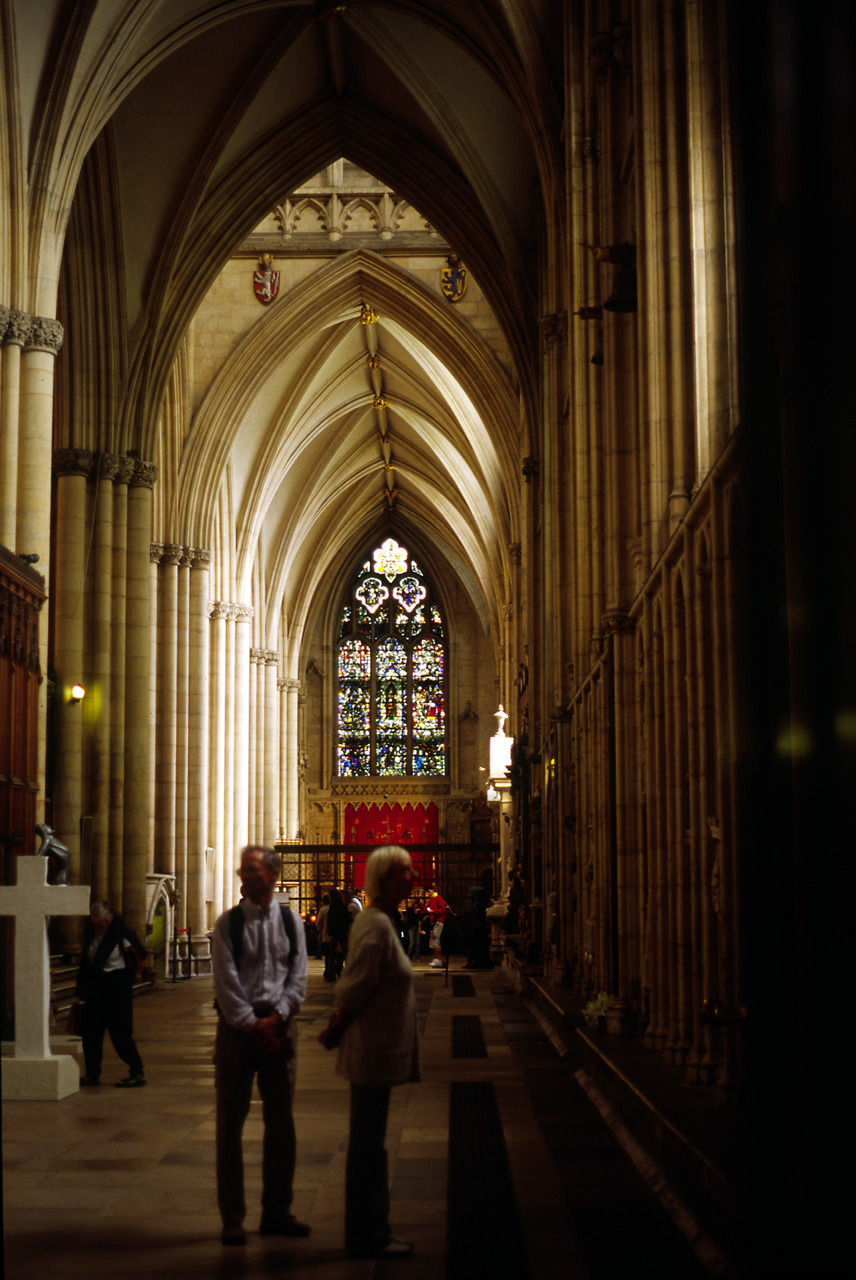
x: 391, y: 667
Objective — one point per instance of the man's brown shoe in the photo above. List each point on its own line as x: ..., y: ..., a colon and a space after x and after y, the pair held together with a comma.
x: 283, y: 1225
x: 233, y: 1233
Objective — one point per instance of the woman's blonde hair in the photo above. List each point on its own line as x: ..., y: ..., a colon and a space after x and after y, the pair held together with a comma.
x: 380, y: 863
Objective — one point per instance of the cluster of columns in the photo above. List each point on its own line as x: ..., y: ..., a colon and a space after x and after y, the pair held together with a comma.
x: 28, y: 350
x: 101, y: 639
x: 253, y: 791
x: 264, y: 805
x: 179, y: 696
x: 628, y: 713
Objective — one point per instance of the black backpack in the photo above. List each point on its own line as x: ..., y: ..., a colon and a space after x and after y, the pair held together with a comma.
x: 236, y: 932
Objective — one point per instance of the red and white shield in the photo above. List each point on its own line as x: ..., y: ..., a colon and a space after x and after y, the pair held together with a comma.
x: 265, y: 284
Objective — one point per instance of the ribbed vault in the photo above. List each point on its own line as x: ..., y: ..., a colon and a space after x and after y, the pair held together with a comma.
x: 434, y: 100
x: 321, y: 427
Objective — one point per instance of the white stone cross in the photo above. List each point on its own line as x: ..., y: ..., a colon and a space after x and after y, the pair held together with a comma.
x: 31, y: 901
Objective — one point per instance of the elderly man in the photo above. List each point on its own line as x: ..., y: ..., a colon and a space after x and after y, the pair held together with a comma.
x: 260, y: 967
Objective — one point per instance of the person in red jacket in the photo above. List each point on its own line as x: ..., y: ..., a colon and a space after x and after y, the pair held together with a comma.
x: 436, y: 909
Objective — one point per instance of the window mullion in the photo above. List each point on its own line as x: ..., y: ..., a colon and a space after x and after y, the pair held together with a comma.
x: 409, y: 696
x: 373, y: 712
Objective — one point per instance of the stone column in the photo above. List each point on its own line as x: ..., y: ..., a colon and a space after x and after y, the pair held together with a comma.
x: 329, y: 719
x: 73, y: 466
x: 292, y: 821
x: 230, y: 861
x: 656, y: 943
x: 217, y: 739
x: 282, y: 796
x: 712, y: 212
x: 33, y: 520
x: 100, y: 676
x: 242, y: 727
x: 35, y: 438
x: 197, y: 741
x: 156, y: 554
x: 666, y: 318
x: 270, y: 751
x: 180, y: 764
x: 15, y: 329
x: 118, y: 663
x: 167, y: 665
x: 137, y: 723
x: 253, y: 799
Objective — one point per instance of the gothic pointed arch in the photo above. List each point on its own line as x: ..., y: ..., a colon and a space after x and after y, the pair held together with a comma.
x: 391, y: 666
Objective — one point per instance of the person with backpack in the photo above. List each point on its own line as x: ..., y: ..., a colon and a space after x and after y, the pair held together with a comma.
x: 260, y: 971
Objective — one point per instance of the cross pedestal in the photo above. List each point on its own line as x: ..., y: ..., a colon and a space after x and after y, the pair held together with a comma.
x: 34, y: 1072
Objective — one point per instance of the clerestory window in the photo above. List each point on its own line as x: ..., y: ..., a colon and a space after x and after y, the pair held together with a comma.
x: 391, y: 668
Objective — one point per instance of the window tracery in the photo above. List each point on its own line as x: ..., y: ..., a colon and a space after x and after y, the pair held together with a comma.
x: 391, y: 672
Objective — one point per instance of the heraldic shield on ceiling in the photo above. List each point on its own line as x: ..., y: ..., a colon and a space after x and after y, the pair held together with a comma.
x: 265, y: 279
x: 453, y: 280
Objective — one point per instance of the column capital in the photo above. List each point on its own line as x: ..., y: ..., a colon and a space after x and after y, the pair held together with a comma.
x: 271, y: 657
x: 218, y: 610
x: 201, y: 557
x: 293, y: 685
x: 125, y: 470
x: 187, y: 557
x: 155, y: 552
x: 145, y: 474
x: 15, y: 325
x: 108, y: 466
x: 257, y: 655
x: 282, y: 684
x: 45, y: 335
x: 244, y: 612
x: 172, y: 553
x: 73, y: 462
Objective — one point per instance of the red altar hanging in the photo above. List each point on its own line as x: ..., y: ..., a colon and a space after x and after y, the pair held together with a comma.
x: 393, y: 824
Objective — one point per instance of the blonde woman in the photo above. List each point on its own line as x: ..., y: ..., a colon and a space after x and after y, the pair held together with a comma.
x: 375, y: 1029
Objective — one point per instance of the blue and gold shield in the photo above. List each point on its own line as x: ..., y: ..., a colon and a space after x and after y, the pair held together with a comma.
x: 453, y: 281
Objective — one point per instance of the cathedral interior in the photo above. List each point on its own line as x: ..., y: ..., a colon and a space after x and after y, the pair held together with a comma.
x: 382, y: 378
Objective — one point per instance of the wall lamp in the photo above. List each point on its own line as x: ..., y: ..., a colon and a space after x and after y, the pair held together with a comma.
x: 78, y: 693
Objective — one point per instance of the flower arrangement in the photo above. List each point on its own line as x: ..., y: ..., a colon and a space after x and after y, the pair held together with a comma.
x: 595, y: 1010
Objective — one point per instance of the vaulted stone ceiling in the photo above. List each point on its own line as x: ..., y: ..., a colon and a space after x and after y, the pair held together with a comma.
x: 197, y: 118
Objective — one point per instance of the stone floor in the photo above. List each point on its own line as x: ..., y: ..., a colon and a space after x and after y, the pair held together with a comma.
x: 116, y: 1183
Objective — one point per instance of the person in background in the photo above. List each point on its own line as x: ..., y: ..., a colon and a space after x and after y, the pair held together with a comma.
x: 338, y: 926
x: 260, y: 968
x: 112, y: 955
x: 375, y: 1029
x: 324, y: 938
x: 436, y: 909
x: 413, y: 920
